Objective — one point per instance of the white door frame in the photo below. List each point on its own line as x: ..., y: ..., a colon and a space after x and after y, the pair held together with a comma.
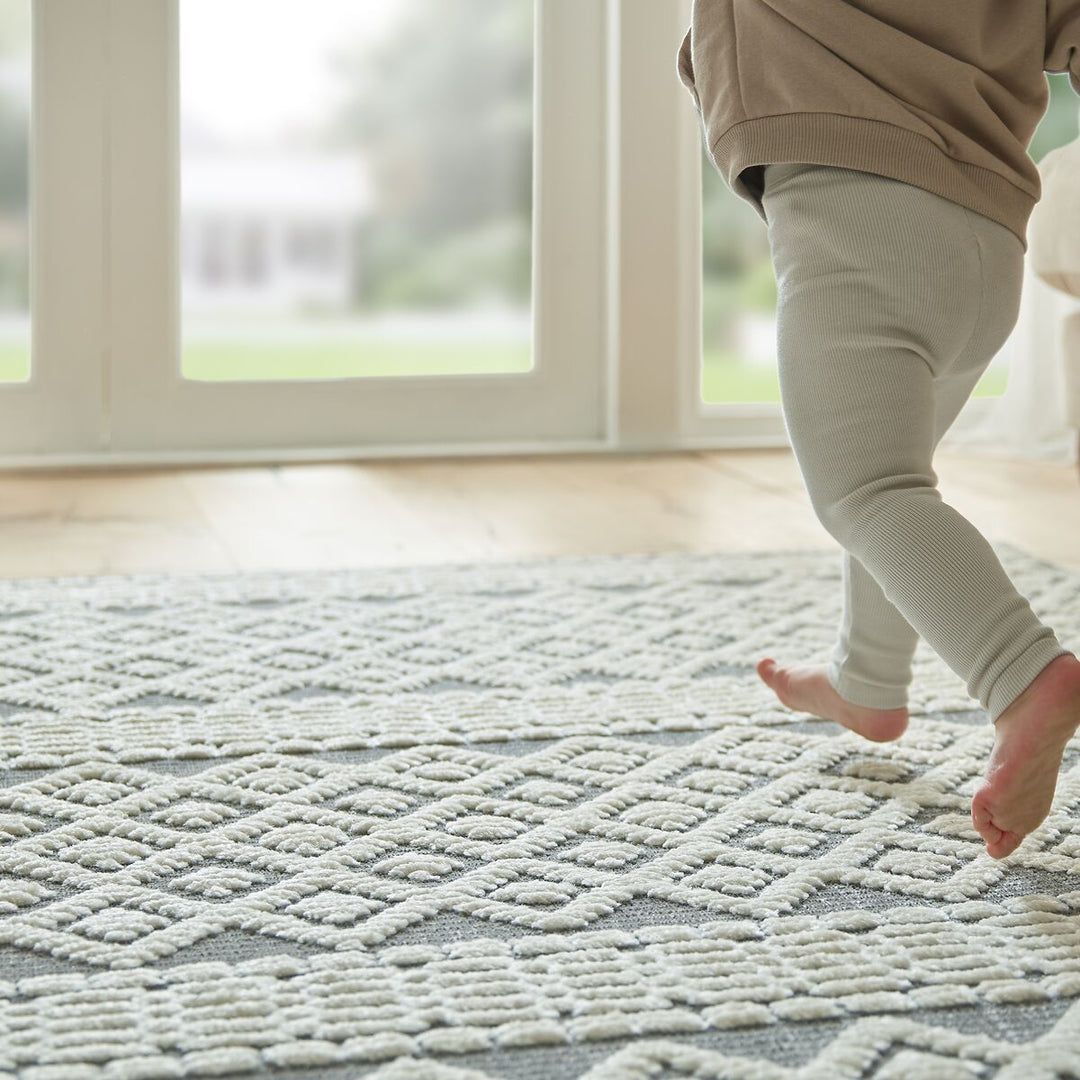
x: 60, y: 408
x: 657, y: 139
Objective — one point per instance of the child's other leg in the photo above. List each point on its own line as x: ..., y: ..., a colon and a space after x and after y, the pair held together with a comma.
x: 871, y: 662
x: 864, y: 686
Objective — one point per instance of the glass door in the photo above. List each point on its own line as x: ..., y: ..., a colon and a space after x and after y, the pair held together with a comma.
x: 355, y: 223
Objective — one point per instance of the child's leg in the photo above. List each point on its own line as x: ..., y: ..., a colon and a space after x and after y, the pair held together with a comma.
x: 891, y: 299
x: 871, y: 662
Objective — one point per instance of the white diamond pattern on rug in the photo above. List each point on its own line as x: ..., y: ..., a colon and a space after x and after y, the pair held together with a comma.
x: 402, y: 819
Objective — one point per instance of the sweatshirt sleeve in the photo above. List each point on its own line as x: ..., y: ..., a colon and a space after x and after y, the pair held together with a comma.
x: 685, y: 65
x: 1063, y: 39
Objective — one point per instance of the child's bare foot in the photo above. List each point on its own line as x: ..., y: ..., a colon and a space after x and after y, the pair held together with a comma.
x: 1029, y: 742
x: 806, y: 688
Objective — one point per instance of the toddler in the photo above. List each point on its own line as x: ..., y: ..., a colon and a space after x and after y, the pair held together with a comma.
x: 884, y: 145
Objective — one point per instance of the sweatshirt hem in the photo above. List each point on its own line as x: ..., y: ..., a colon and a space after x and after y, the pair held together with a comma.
x: 870, y: 146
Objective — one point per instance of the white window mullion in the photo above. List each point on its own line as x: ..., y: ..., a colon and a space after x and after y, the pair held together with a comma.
x: 657, y: 249
x: 58, y: 413
x: 646, y: 114
x: 705, y: 424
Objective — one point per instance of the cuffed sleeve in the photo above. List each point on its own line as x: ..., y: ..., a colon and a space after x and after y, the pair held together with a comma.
x: 1063, y: 40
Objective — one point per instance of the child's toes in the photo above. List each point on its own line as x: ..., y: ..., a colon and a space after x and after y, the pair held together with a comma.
x: 767, y: 669
x: 1009, y: 842
x: 982, y: 819
x: 999, y: 842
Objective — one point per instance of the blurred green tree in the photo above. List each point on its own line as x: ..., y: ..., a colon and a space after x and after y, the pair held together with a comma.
x: 442, y: 110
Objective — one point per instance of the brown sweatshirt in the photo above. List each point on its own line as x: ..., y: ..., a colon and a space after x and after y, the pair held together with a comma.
x: 942, y: 94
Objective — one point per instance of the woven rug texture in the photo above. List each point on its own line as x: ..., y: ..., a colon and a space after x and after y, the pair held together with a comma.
x: 535, y: 820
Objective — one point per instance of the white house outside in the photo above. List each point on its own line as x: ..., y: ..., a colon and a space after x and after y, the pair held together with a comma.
x: 269, y: 231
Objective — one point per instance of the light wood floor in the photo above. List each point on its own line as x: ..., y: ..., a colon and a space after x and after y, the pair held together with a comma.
x: 60, y: 524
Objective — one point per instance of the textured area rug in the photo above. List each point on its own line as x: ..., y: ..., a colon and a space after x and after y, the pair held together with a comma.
x: 529, y: 820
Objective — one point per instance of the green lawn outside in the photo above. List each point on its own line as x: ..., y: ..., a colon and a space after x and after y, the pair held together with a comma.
x: 724, y: 379
x: 14, y: 362
x: 228, y: 361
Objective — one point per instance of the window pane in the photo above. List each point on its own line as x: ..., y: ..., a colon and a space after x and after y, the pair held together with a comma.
x: 356, y: 188
x: 739, y: 287
x: 15, y: 85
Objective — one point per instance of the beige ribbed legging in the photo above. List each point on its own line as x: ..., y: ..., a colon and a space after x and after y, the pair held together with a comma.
x: 891, y: 303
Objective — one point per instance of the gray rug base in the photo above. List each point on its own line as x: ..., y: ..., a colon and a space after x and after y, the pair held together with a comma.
x: 530, y: 820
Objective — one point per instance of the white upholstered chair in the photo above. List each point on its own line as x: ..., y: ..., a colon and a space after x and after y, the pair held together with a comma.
x: 1054, y: 253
